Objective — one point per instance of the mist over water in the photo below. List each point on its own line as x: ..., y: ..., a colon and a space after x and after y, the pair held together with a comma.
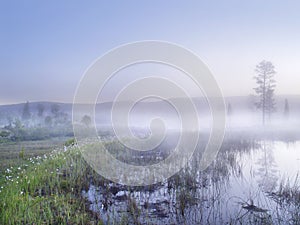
x: 254, y: 178
x: 243, y: 115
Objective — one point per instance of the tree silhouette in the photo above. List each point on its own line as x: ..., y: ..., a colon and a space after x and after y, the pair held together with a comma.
x: 86, y: 120
x: 26, y: 112
x: 265, y: 88
x: 229, y: 109
x: 55, y: 110
x: 286, y: 109
x: 41, y: 109
x: 48, y: 121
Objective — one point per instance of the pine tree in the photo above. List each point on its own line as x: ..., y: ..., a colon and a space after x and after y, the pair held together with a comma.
x: 265, y: 88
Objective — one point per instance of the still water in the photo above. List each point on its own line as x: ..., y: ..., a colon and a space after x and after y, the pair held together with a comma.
x: 251, y: 182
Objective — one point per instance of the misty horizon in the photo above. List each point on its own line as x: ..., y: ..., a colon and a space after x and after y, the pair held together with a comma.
x: 151, y: 100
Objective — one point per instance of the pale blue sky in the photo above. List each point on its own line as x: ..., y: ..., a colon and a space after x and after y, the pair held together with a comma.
x: 46, y: 47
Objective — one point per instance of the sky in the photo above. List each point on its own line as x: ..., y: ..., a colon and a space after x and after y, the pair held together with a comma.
x: 45, y: 47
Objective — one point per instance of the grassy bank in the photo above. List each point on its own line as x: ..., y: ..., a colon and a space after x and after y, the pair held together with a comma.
x: 47, y: 190
x: 14, y: 153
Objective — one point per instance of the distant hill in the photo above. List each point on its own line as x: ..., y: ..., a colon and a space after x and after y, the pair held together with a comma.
x: 240, y: 104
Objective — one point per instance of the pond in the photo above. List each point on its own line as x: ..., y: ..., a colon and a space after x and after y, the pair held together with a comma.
x: 250, y: 182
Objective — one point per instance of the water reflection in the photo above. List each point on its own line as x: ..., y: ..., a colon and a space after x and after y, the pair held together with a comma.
x: 240, y: 187
x: 267, y: 171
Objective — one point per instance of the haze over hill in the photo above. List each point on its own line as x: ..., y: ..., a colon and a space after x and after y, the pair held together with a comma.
x: 243, y: 112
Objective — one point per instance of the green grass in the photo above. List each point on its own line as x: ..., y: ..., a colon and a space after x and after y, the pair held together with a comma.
x: 10, y: 151
x: 47, y: 190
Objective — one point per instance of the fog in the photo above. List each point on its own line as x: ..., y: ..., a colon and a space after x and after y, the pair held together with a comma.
x: 147, y: 115
x: 243, y: 115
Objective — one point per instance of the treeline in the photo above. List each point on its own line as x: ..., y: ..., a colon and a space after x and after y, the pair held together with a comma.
x: 37, y: 124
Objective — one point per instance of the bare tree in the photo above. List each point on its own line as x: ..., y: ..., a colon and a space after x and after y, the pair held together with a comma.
x: 264, y: 78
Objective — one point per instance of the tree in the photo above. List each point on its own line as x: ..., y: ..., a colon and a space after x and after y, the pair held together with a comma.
x: 48, y: 121
x: 286, y: 108
x: 26, y: 112
x: 265, y: 88
x: 229, y: 109
x: 86, y: 120
x: 41, y: 109
x: 55, y: 110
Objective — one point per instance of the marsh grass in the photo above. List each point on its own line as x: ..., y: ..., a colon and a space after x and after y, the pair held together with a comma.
x: 287, y: 197
x: 47, y: 190
x: 202, y: 197
x: 16, y: 153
